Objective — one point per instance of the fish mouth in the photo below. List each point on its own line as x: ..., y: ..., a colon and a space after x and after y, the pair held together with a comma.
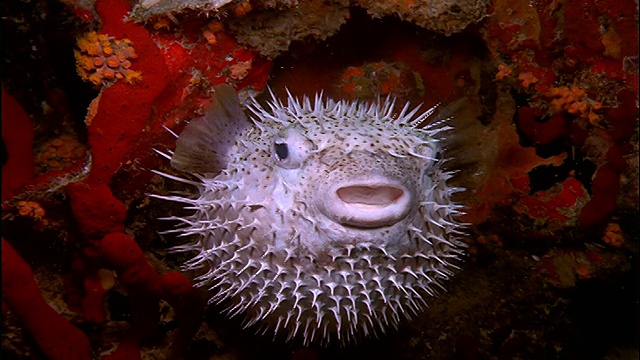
x: 367, y: 205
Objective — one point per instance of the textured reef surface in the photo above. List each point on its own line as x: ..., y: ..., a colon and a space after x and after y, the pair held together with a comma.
x: 544, y: 97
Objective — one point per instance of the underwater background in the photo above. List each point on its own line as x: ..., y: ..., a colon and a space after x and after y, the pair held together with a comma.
x: 545, y: 94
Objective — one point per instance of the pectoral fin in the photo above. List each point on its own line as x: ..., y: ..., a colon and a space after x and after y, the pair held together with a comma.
x: 204, y: 144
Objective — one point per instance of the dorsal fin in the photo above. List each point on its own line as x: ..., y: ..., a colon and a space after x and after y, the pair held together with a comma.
x: 204, y: 143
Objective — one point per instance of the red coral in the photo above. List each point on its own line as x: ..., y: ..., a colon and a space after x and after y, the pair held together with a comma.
x: 127, y: 350
x: 73, y: 284
x: 17, y: 134
x: 123, y: 124
x: 542, y: 133
x: 124, y: 109
x: 578, y: 134
x: 555, y: 206
x: 54, y: 334
x: 92, y: 302
x: 124, y: 254
x: 85, y: 287
x: 605, y: 189
x: 616, y: 156
x: 581, y: 25
x: 188, y: 305
x: 145, y: 288
x: 97, y: 211
x: 624, y: 117
x: 141, y: 281
x: 177, y: 72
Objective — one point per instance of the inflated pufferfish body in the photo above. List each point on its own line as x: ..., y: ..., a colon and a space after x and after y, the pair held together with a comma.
x: 323, y: 221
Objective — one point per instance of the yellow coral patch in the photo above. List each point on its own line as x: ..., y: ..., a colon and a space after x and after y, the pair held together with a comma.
x: 575, y: 100
x: 102, y: 59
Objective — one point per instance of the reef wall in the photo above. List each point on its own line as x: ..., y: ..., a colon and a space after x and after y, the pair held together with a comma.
x: 544, y: 96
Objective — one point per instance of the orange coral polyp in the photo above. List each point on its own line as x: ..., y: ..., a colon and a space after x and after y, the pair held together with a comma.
x: 31, y: 208
x: 102, y: 59
x: 109, y: 74
x: 575, y: 100
x: 113, y: 62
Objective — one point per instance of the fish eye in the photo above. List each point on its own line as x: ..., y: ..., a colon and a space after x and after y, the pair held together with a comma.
x: 282, y: 151
x: 291, y: 147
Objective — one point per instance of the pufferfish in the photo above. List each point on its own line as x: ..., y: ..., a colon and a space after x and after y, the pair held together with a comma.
x: 318, y: 220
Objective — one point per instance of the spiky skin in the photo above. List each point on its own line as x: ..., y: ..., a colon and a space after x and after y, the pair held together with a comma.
x: 271, y: 244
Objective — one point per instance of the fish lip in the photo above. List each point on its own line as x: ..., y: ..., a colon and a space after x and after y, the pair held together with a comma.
x: 389, y: 202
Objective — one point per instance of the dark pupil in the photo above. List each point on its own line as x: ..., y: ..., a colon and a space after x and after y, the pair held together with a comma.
x: 282, y: 150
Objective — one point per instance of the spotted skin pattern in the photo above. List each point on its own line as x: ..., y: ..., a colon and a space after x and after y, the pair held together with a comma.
x: 324, y: 220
